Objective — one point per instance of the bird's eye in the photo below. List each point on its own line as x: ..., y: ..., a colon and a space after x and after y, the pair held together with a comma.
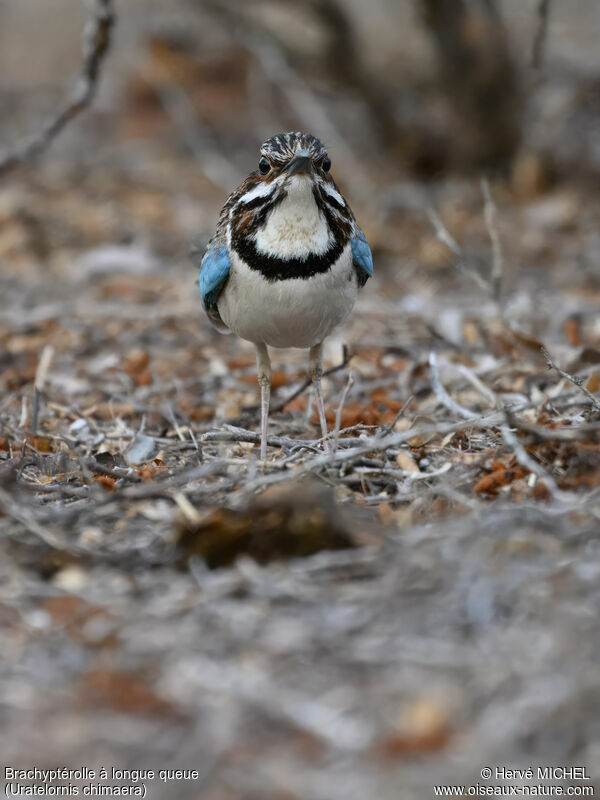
x: 264, y: 166
x: 326, y: 164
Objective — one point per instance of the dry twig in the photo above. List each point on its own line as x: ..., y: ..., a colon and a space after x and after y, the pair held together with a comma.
x: 489, y: 213
x: 574, y: 379
x: 340, y: 408
x: 22, y: 515
x: 281, y: 404
x: 541, y: 34
x: 441, y: 393
x: 389, y: 428
x: 444, y: 235
x: 525, y: 460
x: 96, y: 40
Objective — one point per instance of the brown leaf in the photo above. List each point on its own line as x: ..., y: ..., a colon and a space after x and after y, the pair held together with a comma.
x: 136, y: 366
x: 572, y: 329
x: 593, y: 384
x: 380, y: 395
x: 123, y: 692
x: 240, y: 363
x: 352, y: 414
x: 62, y: 609
x: 423, y: 728
x: 147, y: 472
x: 198, y: 413
x: 297, y: 404
x: 501, y: 476
x: 106, y: 481
x: 42, y: 444
x: 73, y: 614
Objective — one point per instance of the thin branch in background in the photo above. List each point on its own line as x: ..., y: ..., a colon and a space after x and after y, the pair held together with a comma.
x: 489, y: 214
x: 233, y: 434
x: 340, y: 408
x: 444, y: 235
x: 574, y: 379
x: 36, y: 405
x: 22, y: 515
x: 525, y: 460
x: 345, y: 60
x: 43, y: 367
x: 479, y: 76
x: 39, y: 383
x: 279, y: 406
x: 197, y: 137
x: 441, y: 393
x: 389, y: 428
x: 313, y: 113
x: 24, y: 411
x: 300, y: 97
x: 371, y: 444
x: 96, y: 40
x: 493, y: 286
x: 541, y: 35
x: 538, y: 433
x: 477, y: 384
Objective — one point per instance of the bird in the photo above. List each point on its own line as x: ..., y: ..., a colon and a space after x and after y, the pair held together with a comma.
x: 286, y: 262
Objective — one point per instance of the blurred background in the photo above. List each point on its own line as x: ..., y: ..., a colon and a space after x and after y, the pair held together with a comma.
x: 415, y: 100
x: 365, y: 675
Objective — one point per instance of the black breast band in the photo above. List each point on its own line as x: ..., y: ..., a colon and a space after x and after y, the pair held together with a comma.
x: 281, y: 269
x: 273, y: 268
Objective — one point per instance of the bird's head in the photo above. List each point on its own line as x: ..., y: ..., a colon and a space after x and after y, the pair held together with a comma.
x: 292, y: 154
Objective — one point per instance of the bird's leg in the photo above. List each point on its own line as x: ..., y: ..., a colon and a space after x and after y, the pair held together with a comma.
x: 263, y: 368
x: 315, y: 366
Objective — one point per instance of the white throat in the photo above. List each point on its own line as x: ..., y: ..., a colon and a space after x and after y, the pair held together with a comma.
x: 295, y: 228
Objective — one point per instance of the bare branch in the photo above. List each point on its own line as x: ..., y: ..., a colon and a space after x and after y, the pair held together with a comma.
x: 493, y: 286
x: 340, y: 408
x: 441, y: 393
x: 370, y: 444
x: 21, y: 515
x: 279, y: 71
x: 576, y: 381
x: 389, y: 428
x: 525, y: 460
x: 196, y: 136
x: 96, y: 40
x: 479, y: 77
x: 573, y: 433
x: 489, y: 213
x: 444, y: 235
x: 280, y: 405
x: 541, y: 34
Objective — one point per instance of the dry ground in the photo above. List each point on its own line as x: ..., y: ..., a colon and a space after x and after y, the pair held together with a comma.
x: 419, y: 605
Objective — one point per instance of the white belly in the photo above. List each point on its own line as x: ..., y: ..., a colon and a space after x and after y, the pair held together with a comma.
x: 292, y: 313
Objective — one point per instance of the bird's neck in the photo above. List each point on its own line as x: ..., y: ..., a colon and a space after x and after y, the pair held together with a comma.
x: 296, y: 227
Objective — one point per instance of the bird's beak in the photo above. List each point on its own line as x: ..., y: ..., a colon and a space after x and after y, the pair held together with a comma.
x: 301, y: 163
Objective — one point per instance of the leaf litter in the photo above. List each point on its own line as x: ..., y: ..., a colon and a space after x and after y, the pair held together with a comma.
x: 363, y: 624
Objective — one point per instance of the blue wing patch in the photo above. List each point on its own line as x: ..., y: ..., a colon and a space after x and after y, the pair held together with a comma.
x: 362, y: 258
x: 213, y: 275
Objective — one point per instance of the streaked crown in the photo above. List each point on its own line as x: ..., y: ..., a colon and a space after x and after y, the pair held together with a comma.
x: 281, y: 148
